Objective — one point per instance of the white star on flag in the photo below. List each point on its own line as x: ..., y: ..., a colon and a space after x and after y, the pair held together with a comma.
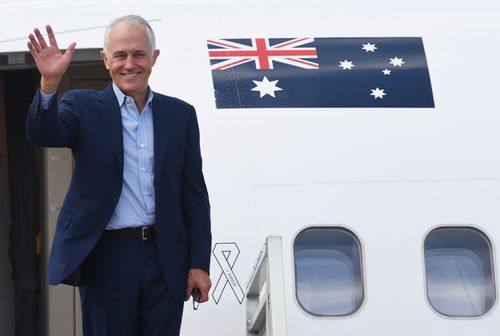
x: 369, y: 47
x: 386, y: 72
x: 346, y: 65
x: 378, y: 93
x: 266, y: 87
x: 397, y: 61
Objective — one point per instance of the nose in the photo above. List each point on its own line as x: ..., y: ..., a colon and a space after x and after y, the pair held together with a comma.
x: 129, y: 62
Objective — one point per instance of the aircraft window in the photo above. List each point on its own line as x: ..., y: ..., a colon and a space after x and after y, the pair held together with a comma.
x: 459, y: 271
x: 328, y: 275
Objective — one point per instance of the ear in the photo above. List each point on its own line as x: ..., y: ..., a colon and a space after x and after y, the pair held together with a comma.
x: 156, y: 53
x: 105, y: 59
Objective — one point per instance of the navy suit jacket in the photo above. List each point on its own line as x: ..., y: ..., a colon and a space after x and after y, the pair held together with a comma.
x: 89, y: 122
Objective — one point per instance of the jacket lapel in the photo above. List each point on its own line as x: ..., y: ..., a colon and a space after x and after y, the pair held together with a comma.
x: 161, y: 129
x: 112, y: 119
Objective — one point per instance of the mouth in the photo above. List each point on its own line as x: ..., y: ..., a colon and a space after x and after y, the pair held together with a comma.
x: 131, y: 75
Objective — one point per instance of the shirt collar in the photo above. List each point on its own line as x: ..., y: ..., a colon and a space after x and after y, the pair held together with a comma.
x: 120, y: 96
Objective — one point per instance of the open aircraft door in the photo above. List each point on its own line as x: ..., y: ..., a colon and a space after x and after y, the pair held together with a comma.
x: 38, y: 180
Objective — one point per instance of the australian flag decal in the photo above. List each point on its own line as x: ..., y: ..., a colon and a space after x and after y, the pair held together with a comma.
x: 320, y: 72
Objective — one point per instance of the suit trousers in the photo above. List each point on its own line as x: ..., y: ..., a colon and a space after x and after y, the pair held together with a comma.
x: 123, y: 292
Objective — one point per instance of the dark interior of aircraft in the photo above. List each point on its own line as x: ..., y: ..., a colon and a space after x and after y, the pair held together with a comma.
x: 22, y: 225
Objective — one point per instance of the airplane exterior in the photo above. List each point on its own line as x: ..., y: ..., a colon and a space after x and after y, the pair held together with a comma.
x: 389, y: 217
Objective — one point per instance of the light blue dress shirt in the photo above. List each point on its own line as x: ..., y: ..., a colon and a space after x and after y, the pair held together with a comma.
x: 136, y: 206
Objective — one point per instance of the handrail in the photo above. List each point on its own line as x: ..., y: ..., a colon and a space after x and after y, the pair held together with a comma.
x: 265, y: 304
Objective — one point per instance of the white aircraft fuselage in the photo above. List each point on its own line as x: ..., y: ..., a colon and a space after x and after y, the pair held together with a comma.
x: 388, y: 177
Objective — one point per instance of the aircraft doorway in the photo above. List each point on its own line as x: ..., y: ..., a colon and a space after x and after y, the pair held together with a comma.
x: 33, y: 182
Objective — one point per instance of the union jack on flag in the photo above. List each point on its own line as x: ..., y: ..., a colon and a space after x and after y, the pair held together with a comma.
x: 228, y: 54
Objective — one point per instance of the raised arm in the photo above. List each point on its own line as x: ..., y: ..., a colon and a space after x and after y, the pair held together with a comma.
x: 49, y: 60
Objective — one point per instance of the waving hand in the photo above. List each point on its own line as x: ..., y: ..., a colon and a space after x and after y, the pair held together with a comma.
x: 49, y: 60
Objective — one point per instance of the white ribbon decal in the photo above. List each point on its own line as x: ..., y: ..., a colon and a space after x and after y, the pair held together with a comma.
x: 226, y: 255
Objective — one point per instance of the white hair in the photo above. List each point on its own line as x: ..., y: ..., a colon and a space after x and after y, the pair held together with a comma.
x: 133, y: 20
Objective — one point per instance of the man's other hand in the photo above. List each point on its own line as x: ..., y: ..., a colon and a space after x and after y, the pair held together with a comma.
x: 198, y: 278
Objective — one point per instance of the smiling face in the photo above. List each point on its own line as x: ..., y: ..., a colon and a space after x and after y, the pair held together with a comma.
x: 129, y: 59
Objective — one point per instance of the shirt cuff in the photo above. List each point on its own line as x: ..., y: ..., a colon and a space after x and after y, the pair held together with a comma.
x: 46, y: 99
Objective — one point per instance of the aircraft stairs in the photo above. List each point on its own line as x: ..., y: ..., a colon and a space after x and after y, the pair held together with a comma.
x: 265, y: 304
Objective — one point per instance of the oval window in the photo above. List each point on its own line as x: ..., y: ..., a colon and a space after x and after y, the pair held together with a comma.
x: 328, y: 272
x: 459, y: 271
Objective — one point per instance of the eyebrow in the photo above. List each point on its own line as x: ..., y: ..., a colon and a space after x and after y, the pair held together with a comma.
x: 122, y: 52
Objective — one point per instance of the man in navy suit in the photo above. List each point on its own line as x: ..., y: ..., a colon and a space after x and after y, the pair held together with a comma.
x: 134, y: 229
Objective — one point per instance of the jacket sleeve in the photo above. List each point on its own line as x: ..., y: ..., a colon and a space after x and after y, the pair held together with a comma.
x: 195, y: 202
x: 54, y: 126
